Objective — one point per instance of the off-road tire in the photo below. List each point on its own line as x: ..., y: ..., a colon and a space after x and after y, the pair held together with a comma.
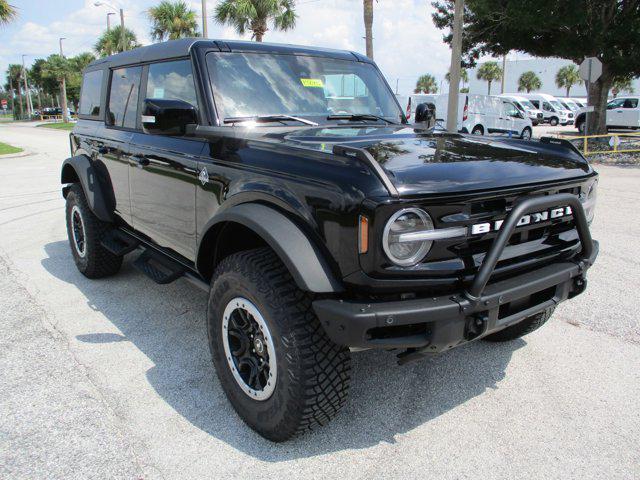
x: 312, y: 372
x: 98, y: 262
x: 522, y: 328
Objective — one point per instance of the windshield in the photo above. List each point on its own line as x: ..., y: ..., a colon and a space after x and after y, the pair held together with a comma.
x: 557, y: 105
x: 527, y: 104
x: 253, y: 84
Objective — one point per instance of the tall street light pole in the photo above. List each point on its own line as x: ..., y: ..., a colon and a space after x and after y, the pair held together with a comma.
x: 454, y: 69
x: 123, y: 41
x: 109, y: 20
x: 26, y: 89
x: 204, y: 19
x: 63, y: 91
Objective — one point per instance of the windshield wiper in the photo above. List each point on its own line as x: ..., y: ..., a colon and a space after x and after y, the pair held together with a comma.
x: 358, y: 117
x: 269, y: 119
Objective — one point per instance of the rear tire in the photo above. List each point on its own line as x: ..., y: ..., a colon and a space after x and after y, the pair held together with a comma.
x: 521, y: 328
x: 310, y: 372
x: 580, y: 127
x: 85, y: 232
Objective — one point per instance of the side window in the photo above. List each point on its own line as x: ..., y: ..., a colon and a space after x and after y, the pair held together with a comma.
x: 536, y: 103
x: 91, y: 93
x: 172, y: 81
x: 547, y: 106
x: 617, y: 103
x: 123, y: 97
x: 630, y: 103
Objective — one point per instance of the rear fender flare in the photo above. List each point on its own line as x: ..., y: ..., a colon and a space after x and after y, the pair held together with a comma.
x: 301, y: 256
x: 80, y: 168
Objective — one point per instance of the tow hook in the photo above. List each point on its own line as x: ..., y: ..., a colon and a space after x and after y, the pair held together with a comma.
x: 475, y: 326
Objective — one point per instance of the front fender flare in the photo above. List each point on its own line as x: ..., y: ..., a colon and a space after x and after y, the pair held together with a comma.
x: 80, y: 168
x: 301, y: 256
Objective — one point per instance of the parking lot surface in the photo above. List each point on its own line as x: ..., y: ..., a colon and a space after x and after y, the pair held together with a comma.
x: 112, y: 378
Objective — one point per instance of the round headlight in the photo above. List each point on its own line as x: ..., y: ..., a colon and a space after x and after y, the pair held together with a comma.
x: 399, y: 247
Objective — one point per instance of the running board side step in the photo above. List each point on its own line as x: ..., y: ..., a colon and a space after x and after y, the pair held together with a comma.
x: 119, y: 243
x: 159, y: 268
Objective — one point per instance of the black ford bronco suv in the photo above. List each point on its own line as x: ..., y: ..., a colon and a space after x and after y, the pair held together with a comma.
x: 287, y: 182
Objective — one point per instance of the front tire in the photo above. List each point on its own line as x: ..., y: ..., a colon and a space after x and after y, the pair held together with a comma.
x: 278, y: 368
x: 553, y: 121
x: 526, y: 134
x: 85, y: 232
x: 521, y: 328
x: 477, y: 130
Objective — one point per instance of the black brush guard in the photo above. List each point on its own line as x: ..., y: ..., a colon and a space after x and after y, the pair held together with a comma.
x: 437, y: 324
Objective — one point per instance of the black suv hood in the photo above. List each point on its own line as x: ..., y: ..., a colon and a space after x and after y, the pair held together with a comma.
x: 419, y: 162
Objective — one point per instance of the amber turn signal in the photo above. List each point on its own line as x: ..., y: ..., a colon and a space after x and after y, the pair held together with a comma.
x: 363, y: 234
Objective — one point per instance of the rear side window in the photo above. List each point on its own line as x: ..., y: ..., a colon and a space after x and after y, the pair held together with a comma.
x: 630, y: 103
x: 123, y: 97
x: 172, y: 81
x: 91, y: 93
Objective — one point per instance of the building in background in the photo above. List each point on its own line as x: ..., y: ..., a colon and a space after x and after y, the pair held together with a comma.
x: 545, y: 68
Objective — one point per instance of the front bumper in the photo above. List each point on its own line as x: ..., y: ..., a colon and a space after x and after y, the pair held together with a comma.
x: 436, y: 324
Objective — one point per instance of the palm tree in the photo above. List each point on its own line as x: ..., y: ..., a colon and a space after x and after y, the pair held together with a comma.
x: 529, y: 81
x: 111, y: 42
x: 426, y: 84
x: 254, y: 15
x: 567, y: 77
x: 172, y: 20
x: 622, y: 84
x: 367, y: 6
x: 489, y: 72
x: 7, y: 12
x: 59, y: 68
x: 14, y: 77
x: 464, y: 76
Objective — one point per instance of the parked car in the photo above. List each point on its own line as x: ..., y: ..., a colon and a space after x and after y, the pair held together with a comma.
x: 286, y: 182
x: 525, y: 106
x: 622, y: 112
x: 480, y: 114
x: 554, y: 112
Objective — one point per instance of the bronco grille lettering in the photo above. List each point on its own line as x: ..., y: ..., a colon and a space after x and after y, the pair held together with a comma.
x: 537, y: 217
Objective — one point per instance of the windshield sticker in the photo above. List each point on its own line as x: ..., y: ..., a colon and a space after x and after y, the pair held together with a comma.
x: 158, y: 93
x: 312, y: 82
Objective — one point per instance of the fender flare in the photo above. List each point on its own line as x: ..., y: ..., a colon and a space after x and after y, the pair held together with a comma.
x: 301, y: 256
x: 80, y: 168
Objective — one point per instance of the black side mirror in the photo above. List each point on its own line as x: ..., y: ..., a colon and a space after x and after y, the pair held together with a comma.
x: 425, y: 113
x: 167, y: 117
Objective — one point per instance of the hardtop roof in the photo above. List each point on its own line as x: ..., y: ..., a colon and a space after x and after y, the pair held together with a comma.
x: 182, y: 48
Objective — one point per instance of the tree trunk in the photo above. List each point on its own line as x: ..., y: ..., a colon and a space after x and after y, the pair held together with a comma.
x: 259, y: 28
x: 568, y: 89
x: 368, y: 26
x: 63, y: 100
x: 488, y: 88
x: 20, y: 102
x: 597, y: 97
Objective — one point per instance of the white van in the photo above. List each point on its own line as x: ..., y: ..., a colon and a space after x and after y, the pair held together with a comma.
x: 478, y: 114
x: 554, y: 112
x: 526, y: 107
x: 569, y: 104
x: 624, y: 112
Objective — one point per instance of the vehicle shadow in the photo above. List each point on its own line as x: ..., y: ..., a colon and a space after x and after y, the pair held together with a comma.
x: 166, y: 323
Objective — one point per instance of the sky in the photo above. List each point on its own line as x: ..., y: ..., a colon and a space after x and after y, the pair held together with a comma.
x: 406, y: 44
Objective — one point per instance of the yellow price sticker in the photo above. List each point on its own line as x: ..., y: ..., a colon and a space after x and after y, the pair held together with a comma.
x: 312, y: 82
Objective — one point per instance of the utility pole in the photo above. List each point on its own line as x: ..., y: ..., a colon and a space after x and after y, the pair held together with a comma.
x: 26, y: 89
x: 454, y: 70
x: 122, y: 33
x: 63, y: 91
x: 504, y: 72
x: 204, y: 19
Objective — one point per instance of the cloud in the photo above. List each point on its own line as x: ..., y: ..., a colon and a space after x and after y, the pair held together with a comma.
x: 406, y: 44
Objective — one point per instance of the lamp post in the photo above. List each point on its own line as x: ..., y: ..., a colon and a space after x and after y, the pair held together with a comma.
x: 109, y: 20
x: 123, y: 42
x: 204, y: 19
x: 26, y: 89
x: 63, y: 91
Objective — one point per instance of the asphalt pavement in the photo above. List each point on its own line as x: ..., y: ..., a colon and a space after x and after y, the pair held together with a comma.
x: 112, y: 378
